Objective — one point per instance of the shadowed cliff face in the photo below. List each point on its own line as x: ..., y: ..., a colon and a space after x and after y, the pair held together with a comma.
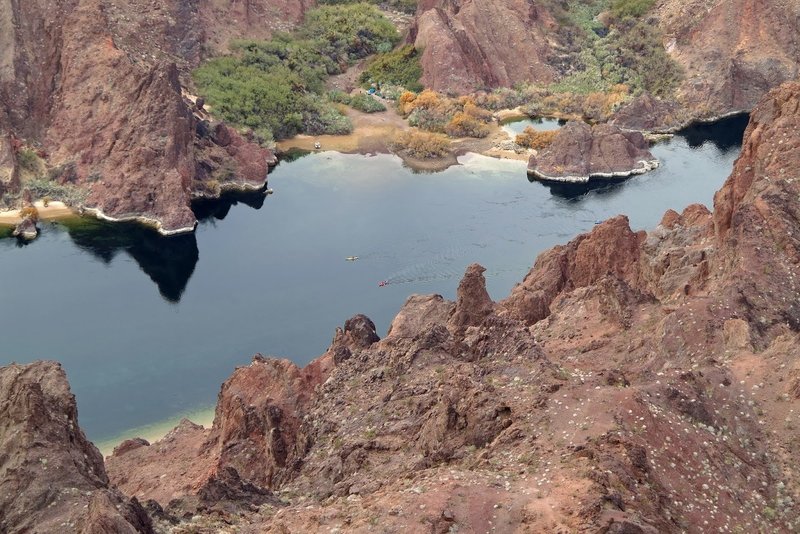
x: 632, y: 382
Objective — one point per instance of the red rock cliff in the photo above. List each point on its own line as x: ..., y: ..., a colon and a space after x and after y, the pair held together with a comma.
x: 471, y: 45
x: 97, y: 84
x: 52, y: 479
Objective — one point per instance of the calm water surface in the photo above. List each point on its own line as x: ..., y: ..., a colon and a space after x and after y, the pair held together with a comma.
x: 516, y: 127
x: 148, y: 328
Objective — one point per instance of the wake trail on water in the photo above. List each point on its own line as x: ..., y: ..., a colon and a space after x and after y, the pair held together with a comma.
x: 445, y: 265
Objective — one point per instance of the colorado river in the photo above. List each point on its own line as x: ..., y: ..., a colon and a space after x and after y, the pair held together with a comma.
x: 148, y: 328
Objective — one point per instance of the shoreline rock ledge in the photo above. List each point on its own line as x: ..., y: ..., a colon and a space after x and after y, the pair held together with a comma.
x: 581, y: 152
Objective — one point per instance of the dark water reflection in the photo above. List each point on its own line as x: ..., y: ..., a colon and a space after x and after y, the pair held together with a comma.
x: 725, y: 135
x: 269, y: 274
x: 168, y: 262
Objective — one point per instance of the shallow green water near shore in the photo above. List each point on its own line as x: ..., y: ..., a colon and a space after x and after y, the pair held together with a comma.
x: 148, y: 328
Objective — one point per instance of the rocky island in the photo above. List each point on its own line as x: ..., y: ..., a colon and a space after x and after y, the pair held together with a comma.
x: 580, y: 152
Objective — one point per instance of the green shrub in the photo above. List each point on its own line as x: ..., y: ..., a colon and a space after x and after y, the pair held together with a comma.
x: 398, y: 67
x: 68, y: 194
x: 630, y: 8
x: 362, y: 102
x: 322, y: 117
x: 274, y: 87
x: 349, y: 32
x: 28, y: 160
x: 629, y: 52
x: 406, y: 6
x: 366, y: 103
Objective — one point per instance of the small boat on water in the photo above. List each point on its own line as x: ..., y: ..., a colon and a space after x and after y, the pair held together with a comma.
x: 268, y: 192
x: 351, y: 258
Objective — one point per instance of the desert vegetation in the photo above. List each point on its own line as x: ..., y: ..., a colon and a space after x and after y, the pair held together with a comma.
x: 405, y: 6
x: 360, y: 101
x: 612, y: 43
x: 276, y: 87
x: 398, y: 67
x: 536, y: 139
x: 421, y: 145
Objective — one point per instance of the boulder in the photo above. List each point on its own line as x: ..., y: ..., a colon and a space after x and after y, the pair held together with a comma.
x: 26, y: 229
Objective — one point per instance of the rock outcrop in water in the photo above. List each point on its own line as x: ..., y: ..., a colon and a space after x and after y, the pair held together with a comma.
x: 97, y: 86
x: 633, y: 382
x: 580, y: 152
x: 52, y: 479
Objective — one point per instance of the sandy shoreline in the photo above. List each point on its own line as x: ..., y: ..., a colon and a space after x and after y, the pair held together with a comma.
x: 53, y: 211
x: 374, y: 132
x: 155, y: 431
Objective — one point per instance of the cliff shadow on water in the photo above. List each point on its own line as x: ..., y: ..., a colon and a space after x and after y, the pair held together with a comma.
x: 725, y: 134
x: 168, y: 261
x: 210, y: 211
x: 721, y: 137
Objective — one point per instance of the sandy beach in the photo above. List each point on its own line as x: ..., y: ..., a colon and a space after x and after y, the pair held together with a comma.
x: 53, y: 211
x: 155, y: 431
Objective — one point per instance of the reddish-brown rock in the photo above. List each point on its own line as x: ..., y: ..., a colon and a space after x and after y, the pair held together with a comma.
x: 610, y: 249
x: 9, y: 173
x: 97, y: 85
x: 470, y: 44
x: 473, y: 302
x: 634, y: 382
x: 580, y: 152
x: 259, y: 413
x: 647, y: 113
x: 52, y: 478
x: 254, y: 445
x: 223, y: 20
x: 732, y: 51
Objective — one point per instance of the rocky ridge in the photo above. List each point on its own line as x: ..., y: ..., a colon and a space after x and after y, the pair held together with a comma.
x: 580, y: 152
x: 52, y: 479
x: 633, y: 382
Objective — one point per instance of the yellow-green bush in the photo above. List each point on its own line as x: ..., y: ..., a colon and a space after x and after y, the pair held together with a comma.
x: 536, y: 139
x: 422, y: 145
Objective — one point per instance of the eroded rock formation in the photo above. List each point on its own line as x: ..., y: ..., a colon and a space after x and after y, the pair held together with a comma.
x: 580, y: 152
x: 52, y: 479
x: 732, y: 51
